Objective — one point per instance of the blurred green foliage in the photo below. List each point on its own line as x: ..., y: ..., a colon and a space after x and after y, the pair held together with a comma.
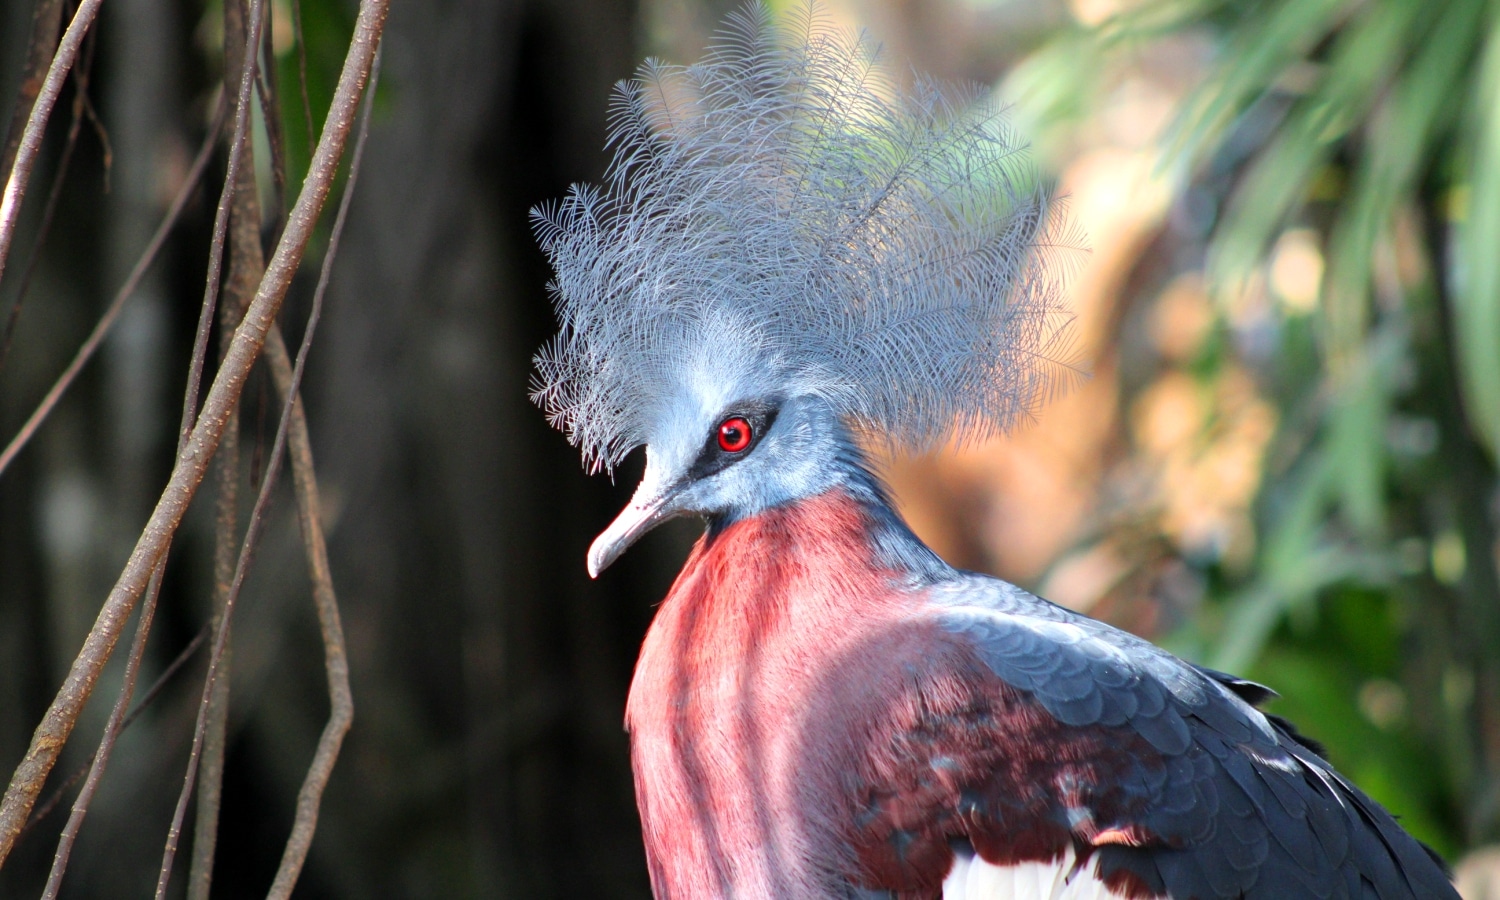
x: 325, y: 29
x: 1369, y: 130
x: 307, y: 40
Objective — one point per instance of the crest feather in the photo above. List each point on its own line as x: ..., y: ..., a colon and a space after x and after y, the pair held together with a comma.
x: 782, y: 206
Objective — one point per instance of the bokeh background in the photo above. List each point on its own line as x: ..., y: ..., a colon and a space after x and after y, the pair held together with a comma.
x: 1282, y: 463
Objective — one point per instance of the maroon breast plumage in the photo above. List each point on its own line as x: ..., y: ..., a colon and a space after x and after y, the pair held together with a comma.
x: 733, y: 798
x: 801, y: 724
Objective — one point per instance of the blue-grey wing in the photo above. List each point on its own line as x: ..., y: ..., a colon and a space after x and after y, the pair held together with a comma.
x: 1208, y: 798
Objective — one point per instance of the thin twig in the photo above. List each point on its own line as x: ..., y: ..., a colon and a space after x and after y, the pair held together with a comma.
x: 241, y: 45
x: 292, y: 428
x: 49, y: 209
x: 187, y: 475
x: 36, y: 124
x: 117, y: 714
x: 335, y: 658
x: 106, y: 321
x: 246, y: 265
x: 45, y: 808
x: 221, y: 221
x: 268, y: 104
x: 297, y: 36
x: 270, y: 108
x: 46, y: 23
x: 226, y: 539
x: 258, y: 451
x: 341, y: 701
x: 221, y: 642
x: 102, y: 134
x: 112, y: 730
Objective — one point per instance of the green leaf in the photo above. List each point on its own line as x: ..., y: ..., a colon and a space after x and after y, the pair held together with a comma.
x: 1476, y: 302
x: 1365, y: 54
x: 1057, y: 84
x: 1256, y: 55
x: 1357, y: 427
x: 1403, y: 135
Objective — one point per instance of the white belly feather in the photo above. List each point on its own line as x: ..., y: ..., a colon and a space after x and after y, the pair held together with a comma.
x: 971, y: 878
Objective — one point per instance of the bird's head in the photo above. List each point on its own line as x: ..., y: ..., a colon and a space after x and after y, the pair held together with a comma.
x: 787, y: 250
x: 729, y: 459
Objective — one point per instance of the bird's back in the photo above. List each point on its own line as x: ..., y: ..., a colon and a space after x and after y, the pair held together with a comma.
x: 813, y: 718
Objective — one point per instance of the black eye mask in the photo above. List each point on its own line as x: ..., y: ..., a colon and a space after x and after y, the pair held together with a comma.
x: 713, y: 458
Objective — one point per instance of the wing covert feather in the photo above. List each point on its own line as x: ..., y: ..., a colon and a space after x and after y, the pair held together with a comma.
x: 1209, y: 798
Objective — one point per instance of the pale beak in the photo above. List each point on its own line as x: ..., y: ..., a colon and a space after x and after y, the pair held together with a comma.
x: 650, y: 506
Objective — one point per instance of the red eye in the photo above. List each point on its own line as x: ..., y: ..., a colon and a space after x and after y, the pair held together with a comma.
x: 734, y: 434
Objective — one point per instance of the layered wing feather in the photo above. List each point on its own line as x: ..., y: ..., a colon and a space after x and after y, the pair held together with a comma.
x: 1191, y: 791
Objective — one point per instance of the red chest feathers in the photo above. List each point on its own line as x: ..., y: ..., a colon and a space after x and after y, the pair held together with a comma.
x: 760, y: 680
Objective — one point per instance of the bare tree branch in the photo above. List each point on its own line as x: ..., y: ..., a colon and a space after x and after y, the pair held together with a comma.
x: 112, y: 730
x: 113, y: 727
x: 246, y: 265
x: 183, y: 655
x: 222, y: 216
x: 302, y: 68
x: 270, y: 108
x: 293, y: 427
x: 192, y: 464
x: 49, y: 209
x: 102, y: 133
x: 36, y: 124
x: 106, y: 321
x: 309, y: 510
x: 46, y: 19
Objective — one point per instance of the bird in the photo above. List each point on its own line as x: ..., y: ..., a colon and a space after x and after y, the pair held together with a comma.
x: 799, y: 255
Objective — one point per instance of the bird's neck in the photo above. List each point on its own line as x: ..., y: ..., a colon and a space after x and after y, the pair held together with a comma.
x: 812, y: 567
x: 794, y: 576
x: 848, y: 497
x: 736, y: 653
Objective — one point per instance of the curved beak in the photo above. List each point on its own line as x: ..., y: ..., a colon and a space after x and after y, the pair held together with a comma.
x: 651, y: 505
